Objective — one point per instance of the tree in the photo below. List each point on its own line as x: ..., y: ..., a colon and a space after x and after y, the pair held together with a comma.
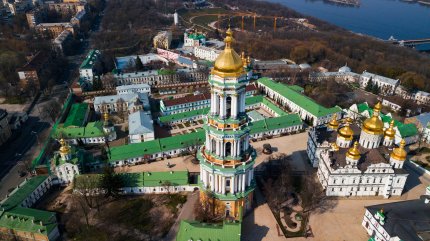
x: 111, y: 182
x: 108, y: 81
x: 97, y: 84
x: 167, y: 185
x: 138, y: 64
x: 413, y: 81
x: 206, y: 209
x: 369, y: 85
x: 192, y: 146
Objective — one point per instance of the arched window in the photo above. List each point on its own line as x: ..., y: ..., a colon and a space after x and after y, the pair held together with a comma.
x: 213, y: 149
x: 228, y: 106
x: 228, y: 149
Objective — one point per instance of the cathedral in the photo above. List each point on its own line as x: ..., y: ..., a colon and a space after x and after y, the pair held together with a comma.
x: 358, y: 158
x: 227, y: 159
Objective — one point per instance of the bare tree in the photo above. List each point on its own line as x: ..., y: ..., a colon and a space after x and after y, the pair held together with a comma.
x: 167, y: 185
x: 206, y: 209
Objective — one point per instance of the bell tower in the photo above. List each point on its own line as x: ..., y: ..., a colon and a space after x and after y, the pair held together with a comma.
x: 227, y: 159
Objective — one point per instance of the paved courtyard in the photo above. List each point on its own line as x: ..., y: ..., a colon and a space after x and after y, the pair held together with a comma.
x: 346, y: 215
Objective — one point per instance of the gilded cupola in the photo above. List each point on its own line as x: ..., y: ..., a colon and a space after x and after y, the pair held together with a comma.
x: 333, y: 124
x: 374, y: 125
x: 228, y: 63
x: 353, y: 152
x: 399, y: 153
x: 346, y: 132
x: 64, y: 149
x: 390, y: 132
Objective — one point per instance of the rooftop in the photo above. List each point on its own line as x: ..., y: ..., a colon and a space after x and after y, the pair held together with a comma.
x: 130, y: 98
x: 276, y: 123
x: 140, y: 122
x: 380, y: 78
x: 303, y: 101
x: 92, y: 129
x: 28, y: 220
x: 18, y: 195
x: 91, y: 58
x: 186, y: 99
x: 77, y: 114
x: 191, y: 230
x: 135, y: 86
x: 408, y: 220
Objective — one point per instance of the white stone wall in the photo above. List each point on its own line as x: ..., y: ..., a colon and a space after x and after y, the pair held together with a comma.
x: 158, y: 189
x: 374, y: 228
x: 137, y: 138
x: 66, y: 173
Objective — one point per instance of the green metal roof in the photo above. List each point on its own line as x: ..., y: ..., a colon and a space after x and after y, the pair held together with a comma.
x: 90, y: 59
x: 28, y: 220
x: 191, y: 230
x: 405, y: 130
x: 155, y: 146
x: 22, y: 192
x: 183, y: 115
x: 154, y: 179
x: 92, y: 129
x: 146, y: 179
x: 196, y: 36
x: 280, y: 122
x: 303, y: 101
x: 166, y: 72
x: 253, y: 99
x: 272, y: 106
x: 76, y: 115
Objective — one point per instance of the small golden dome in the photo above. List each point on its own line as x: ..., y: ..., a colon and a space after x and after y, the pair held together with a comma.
x: 248, y: 60
x: 399, y: 153
x: 228, y: 63
x: 64, y: 149
x: 353, y: 152
x: 374, y: 125
x: 390, y: 132
x: 333, y: 124
x: 346, y: 132
x: 378, y: 107
x: 334, y: 146
x: 106, y: 116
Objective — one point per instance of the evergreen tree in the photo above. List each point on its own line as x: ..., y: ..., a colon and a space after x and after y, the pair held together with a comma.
x: 369, y: 86
x: 375, y: 89
x: 111, y: 182
x: 138, y: 63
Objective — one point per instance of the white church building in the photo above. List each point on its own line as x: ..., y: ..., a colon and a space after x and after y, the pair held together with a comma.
x: 355, y: 159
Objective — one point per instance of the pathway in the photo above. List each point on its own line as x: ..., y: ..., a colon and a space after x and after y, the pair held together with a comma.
x: 185, y: 214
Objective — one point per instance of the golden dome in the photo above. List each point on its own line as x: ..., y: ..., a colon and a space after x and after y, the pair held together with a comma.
x: 378, y: 107
x: 106, y: 116
x: 353, y: 153
x: 374, y: 125
x: 399, y: 153
x: 228, y: 63
x: 333, y: 124
x: 64, y: 149
x: 334, y: 146
x: 346, y: 132
x: 390, y: 132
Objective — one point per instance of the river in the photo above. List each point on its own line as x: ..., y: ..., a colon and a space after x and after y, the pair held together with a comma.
x: 377, y: 18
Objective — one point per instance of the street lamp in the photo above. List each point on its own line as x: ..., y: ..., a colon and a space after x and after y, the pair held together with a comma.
x: 37, y: 136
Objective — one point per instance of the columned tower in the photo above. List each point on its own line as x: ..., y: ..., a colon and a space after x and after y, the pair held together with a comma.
x: 227, y: 159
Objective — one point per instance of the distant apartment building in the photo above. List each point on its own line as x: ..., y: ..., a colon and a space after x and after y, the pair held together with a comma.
x: 5, y: 131
x: 60, y: 41
x: 206, y: 53
x: 158, y: 77
x: 163, y: 40
x: 19, y: 6
x: 137, y: 88
x: 52, y: 30
x: 87, y: 68
x: 29, y: 74
x: 77, y: 19
x: 34, y: 17
x: 66, y: 8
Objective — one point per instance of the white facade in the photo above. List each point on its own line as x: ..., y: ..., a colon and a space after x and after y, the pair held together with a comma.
x: 206, y: 53
x: 296, y: 107
x: 140, y: 127
x: 125, y: 103
x: 386, y: 85
x: 66, y: 172
x: 158, y: 189
x: 136, y: 88
x: 35, y: 195
x: 374, y: 226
